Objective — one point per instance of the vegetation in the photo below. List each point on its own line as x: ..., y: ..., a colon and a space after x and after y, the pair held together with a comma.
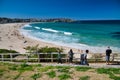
x: 7, y: 51
x: 64, y: 76
x: 1, y: 72
x: 17, y: 76
x: 25, y: 67
x: 24, y: 71
x: 85, y: 78
x: 82, y: 68
x: 49, y: 49
x: 51, y: 74
x: 112, y: 72
x: 46, y: 68
x: 35, y: 49
x: 35, y: 76
x: 63, y: 69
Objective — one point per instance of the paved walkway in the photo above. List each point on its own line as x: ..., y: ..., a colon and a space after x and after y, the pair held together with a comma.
x: 94, y: 65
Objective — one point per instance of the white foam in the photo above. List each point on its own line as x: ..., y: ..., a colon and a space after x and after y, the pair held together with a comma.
x: 92, y: 49
x: 67, y: 33
x: 37, y: 27
x: 27, y: 25
x: 50, y: 30
x: 61, y: 40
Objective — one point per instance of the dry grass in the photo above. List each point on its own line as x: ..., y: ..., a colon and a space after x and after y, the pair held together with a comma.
x: 60, y: 73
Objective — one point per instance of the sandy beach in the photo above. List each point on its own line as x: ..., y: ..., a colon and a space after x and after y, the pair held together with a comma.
x: 11, y: 38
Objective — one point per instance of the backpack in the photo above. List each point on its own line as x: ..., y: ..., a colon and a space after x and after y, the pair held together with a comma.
x: 82, y: 56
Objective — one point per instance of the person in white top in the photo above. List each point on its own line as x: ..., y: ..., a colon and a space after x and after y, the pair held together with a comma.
x: 84, y: 58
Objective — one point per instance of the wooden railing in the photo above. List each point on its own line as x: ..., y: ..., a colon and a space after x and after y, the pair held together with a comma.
x: 50, y: 57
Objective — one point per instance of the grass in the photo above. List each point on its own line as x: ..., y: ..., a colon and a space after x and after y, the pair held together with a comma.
x: 36, y: 76
x: 1, y: 72
x: 82, y: 68
x: 64, y: 76
x: 85, y: 78
x: 25, y: 67
x: 13, y: 67
x: 16, y: 71
x: 64, y: 69
x: 46, y: 68
x: 38, y: 65
x: 51, y: 74
x: 110, y: 71
x: 17, y: 76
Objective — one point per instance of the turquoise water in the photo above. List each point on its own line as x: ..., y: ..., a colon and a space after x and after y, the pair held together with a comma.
x: 82, y: 36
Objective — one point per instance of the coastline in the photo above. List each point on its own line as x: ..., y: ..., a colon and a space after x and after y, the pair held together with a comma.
x: 11, y: 38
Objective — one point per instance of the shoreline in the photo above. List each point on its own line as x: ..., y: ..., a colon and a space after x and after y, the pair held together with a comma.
x: 11, y: 38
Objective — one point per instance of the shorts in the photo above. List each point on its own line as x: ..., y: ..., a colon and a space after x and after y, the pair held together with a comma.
x: 107, y: 58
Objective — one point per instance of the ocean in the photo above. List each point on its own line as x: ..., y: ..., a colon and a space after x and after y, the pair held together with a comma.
x: 95, y: 36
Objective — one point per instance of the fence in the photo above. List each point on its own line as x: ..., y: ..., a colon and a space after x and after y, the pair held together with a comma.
x: 50, y: 57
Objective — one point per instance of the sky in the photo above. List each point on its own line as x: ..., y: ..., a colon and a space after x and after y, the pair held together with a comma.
x: 74, y: 9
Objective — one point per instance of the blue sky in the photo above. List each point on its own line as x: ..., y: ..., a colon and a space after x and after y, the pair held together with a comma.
x: 75, y: 9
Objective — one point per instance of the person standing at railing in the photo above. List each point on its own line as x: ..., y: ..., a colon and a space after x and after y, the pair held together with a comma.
x: 83, y: 58
x: 108, y: 52
x: 70, y: 55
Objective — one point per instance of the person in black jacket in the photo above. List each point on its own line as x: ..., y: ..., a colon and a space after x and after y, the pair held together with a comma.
x: 108, y: 52
x: 70, y: 55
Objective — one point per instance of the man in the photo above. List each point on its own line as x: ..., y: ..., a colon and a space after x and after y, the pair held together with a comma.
x: 84, y: 58
x: 108, y: 52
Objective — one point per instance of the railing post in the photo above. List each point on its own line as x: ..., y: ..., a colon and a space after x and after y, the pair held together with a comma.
x: 2, y: 57
x: 51, y: 57
x: 66, y: 58
x: 38, y: 57
x: 11, y: 57
x: 26, y: 57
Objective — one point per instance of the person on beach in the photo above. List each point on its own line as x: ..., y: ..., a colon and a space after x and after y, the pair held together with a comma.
x: 83, y: 58
x: 70, y: 55
x: 59, y: 58
x: 108, y: 52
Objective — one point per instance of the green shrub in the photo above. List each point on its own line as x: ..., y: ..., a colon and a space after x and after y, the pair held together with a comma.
x: 65, y: 67
x: 25, y: 67
x: 63, y: 70
x: 51, y: 74
x: 13, y: 67
x: 38, y: 65
x: 82, y: 68
x: 64, y: 76
x: 103, y: 71
x: 35, y: 76
x: 49, y: 49
x: 33, y: 56
x: 46, y: 68
x: 110, y: 71
x: 1, y: 72
x: 7, y: 51
x: 85, y: 78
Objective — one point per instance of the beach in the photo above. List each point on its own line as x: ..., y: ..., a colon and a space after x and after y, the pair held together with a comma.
x: 11, y: 38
